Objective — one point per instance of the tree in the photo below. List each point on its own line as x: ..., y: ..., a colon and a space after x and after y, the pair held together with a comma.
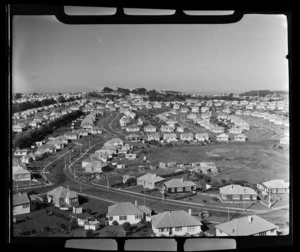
x: 115, y: 223
x: 61, y: 99
x: 107, y: 90
x: 73, y: 224
x: 126, y: 226
x: 18, y: 96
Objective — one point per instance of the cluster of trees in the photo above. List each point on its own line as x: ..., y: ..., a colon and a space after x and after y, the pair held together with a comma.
x: 262, y: 93
x: 19, y: 107
x: 27, y: 138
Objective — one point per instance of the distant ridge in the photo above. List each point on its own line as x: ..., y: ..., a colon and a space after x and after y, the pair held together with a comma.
x: 263, y: 93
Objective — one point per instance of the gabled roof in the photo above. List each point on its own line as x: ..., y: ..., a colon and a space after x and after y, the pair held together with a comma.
x: 174, y: 219
x: 20, y: 199
x: 240, y: 135
x: 276, y: 183
x: 124, y: 208
x: 237, y: 189
x: 151, y: 176
x: 179, y: 183
x: 222, y: 135
x: 242, y: 227
x: 61, y: 192
x: 132, y: 135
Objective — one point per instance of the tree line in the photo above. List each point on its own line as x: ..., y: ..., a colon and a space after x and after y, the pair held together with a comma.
x: 262, y: 93
x: 27, y: 138
x: 19, y: 107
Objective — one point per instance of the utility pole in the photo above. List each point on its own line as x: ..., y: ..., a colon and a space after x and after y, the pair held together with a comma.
x: 228, y: 211
x: 107, y: 181
x: 163, y: 193
x: 144, y: 195
x: 74, y: 172
x: 17, y: 188
x: 69, y: 158
x: 244, y: 204
x: 269, y: 198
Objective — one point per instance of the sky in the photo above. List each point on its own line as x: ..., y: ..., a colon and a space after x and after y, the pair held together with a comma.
x: 49, y: 56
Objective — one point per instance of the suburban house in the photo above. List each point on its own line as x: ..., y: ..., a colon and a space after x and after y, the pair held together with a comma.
x: 201, y: 137
x: 132, y: 137
x: 121, y: 166
x: 18, y: 127
x: 130, y: 156
x: 115, y: 142
x: 204, y: 109
x: 95, y: 130
x: 217, y: 129
x: 86, y: 221
x: 227, y: 110
x: 187, y: 136
x: 82, y: 132
x: 90, y: 159
x: 166, y: 128
x: 274, y: 187
x: 62, y: 139
x: 179, y: 185
x: 251, y: 225
x: 237, y: 193
x: 28, y: 158
x: 180, y: 128
x: 171, y: 223
x: 191, y: 116
x: 132, y: 128
x: 21, y: 152
x: 20, y: 171
x: 21, y: 203
x: 184, y: 110
x: 195, y: 109
x: 71, y: 135
x: 222, y: 138
x: 204, y: 167
x: 109, y: 150
x: 62, y: 197
x: 150, y: 180
x: 235, y: 130
x: 169, y: 137
x: 150, y: 128
x: 94, y: 166
x: 240, y: 138
x: 57, y: 144
x: 176, y: 106
x: 128, y: 212
x: 153, y: 136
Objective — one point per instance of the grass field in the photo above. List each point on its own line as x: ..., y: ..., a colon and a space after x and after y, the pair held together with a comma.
x: 255, y: 162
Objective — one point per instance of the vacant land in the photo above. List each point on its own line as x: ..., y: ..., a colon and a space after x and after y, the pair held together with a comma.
x: 254, y: 162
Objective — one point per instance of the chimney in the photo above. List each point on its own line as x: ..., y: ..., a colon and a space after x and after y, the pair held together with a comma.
x: 250, y: 219
x: 190, y: 211
x: 135, y: 203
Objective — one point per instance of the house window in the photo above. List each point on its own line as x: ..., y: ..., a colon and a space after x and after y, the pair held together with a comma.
x: 122, y: 217
x: 25, y: 205
x: 262, y: 233
x: 172, y: 189
x: 191, y: 229
x: 246, y: 197
x: 137, y: 217
x: 111, y: 218
x: 236, y: 197
x: 224, y: 196
x: 187, y: 189
x: 178, y: 229
x: 179, y: 189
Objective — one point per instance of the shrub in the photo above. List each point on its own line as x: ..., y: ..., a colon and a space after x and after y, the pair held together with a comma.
x: 89, y: 233
x: 74, y: 224
x: 115, y: 223
x: 126, y: 226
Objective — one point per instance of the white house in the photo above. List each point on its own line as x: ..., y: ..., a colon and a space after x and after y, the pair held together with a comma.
x: 222, y: 138
x: 132, y: 128
x: 172, y: 223
x: 150, y: 128
x: 149, y: 180
x: 235, y: 130
x: 195, y: 109
x: 21, y: 203
x: 201, y: 137
x: 251, y: 225
x: 204, y: 109
x: 240, y: 138
x: 128, y: 212
x: 166, y: 128
x: 187, y: 136
x: 169, y: 137
x: 153, y: 136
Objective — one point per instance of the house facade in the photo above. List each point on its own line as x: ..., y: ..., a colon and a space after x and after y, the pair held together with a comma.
x: 187, y: 136
x: 275, y: 187
x: 21, y: 203
x: 240, y: 138
x: 237, y: 193
x: 201, y: 137
x: 170, y: 137
x: 150, y: 180
x: 150, y: 128
x: 153, y: 136
x: 127, y: 212
x: 178, y: 223
x: 251, y: 225
x: 222, y: 138
x: 62, y: 197
x: 179, y: 186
